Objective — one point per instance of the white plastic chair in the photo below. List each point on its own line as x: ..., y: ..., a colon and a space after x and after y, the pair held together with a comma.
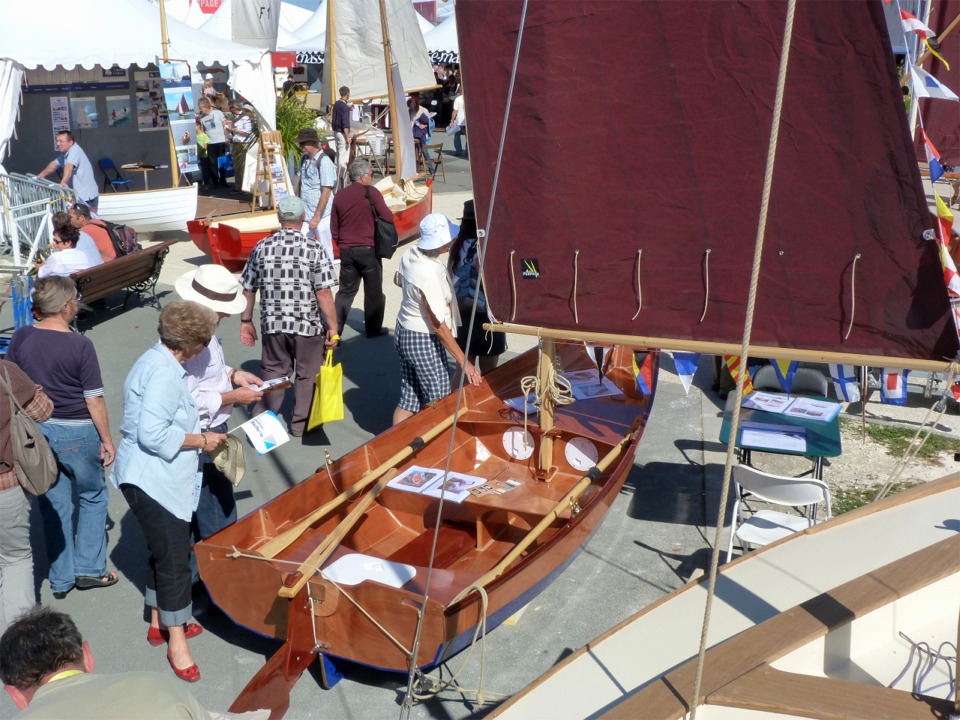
x: 762, y: 527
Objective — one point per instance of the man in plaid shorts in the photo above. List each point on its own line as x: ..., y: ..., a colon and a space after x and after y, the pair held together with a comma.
x: 298, y: 319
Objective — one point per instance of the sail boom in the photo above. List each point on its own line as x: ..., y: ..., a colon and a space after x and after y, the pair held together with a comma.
x: 722, y: 348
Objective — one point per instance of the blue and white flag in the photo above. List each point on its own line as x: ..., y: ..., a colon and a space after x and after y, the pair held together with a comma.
x: 685, y: 363
x: 845, y: 382
x: 926, y: 85
x: 893, y: 386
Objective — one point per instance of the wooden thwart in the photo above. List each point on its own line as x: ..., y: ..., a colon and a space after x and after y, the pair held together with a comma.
x: 281, y: 542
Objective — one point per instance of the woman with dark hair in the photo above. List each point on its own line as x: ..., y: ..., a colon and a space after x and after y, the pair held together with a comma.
x: 158, y: 471
x: 486, y: 346
x: 65, y: 364
x: 67, y: 257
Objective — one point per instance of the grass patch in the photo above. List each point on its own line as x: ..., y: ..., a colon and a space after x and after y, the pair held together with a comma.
x: 847, y: 499
x: 897, y: 439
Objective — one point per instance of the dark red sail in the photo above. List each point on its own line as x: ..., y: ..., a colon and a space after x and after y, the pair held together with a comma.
x: 643, y: 126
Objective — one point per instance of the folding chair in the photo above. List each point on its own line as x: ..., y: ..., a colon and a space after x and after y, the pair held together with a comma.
x: 117, y: 181
x: 762, y: 527
x: 806, y: 381
x: 435, y: 162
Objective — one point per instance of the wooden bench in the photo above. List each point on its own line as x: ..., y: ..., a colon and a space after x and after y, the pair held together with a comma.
x: 138, y: 273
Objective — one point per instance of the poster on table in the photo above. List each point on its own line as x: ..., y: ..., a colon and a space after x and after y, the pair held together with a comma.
x: 84, y: 112
x: 151, y: 108
x: 118, y: 110
x: 179, y: 96
x: 59, y: 115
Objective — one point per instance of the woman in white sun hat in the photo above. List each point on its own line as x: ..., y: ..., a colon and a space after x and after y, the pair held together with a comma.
x: 216, y: 388
x: 427, y: 321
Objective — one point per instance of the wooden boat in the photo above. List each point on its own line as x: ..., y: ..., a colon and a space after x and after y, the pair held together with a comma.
x: 662, y: 261
x: 824, y: 623
x: 228, y: 239
x: 149, y: 211
x: 362, y: 565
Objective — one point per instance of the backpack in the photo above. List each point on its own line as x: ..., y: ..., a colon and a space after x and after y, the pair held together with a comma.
x: 124, y: 237
x: 32, y: 457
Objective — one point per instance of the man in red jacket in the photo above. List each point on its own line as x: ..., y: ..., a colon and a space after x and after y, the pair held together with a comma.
x: 352, y: 227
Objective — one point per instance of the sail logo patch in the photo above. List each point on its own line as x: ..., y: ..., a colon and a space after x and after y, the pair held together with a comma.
x: 530, y: 269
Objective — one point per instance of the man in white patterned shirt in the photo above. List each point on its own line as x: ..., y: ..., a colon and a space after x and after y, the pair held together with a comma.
x: 298, y: 319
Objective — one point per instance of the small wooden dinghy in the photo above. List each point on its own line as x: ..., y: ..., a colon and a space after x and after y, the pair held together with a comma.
x: 339, y: 564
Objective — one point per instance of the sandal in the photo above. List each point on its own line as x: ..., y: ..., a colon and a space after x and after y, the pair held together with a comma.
x: 87, y: 582
x: 158, y: 636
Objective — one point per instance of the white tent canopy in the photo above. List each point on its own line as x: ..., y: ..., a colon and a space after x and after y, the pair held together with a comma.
x: 315, y: 25
x: 131, y: 32
x: 442, y: 42
x: 425, y: 25
x: 293, y: 16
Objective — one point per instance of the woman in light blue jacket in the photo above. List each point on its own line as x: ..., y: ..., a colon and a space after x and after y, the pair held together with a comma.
x: 157, y: 470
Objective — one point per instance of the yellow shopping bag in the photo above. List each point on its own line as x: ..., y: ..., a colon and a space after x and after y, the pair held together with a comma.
x: 327, y: 394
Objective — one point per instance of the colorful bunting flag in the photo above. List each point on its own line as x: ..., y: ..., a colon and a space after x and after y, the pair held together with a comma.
x: 733, y: 365
x: 926, y: 85
x: 944, y: 227
x: 893, y: 386
x: 785, y: 370
x: 643, y: 370
x: 845, y: 382
x: 686, y: 364
x: 912, y: 24
x: 933, y: 158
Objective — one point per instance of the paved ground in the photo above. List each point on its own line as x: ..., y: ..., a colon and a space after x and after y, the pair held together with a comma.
x: 654, y: 537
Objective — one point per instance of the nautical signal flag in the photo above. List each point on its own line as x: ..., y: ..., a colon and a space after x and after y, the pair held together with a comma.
x: 265, y: 432
x: 845, y: 382
x: 685, y: 363
x: 926, y: 85
x: 933, y: 158
x: 944, y: 226
x: 893, y: 386
x: 734, y: 365
x: 643, y: 370
x: 912, y: 24
x: 785, y: 370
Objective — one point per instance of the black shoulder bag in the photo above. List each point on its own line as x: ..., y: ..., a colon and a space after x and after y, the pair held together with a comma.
x: 385, y: 238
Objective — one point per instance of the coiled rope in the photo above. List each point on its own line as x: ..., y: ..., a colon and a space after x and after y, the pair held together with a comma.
x: 853, y: 294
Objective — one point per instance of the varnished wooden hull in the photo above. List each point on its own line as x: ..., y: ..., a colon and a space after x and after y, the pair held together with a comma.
x: 230, y: 239
x: 373, y: 623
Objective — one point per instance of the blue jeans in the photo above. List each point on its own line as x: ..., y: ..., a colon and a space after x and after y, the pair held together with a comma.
x: 457, y: 142
x: 80, y: 551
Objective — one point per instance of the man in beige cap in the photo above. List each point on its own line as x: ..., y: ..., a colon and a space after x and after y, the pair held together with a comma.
x: 298, y: 320
x: 216, y: 388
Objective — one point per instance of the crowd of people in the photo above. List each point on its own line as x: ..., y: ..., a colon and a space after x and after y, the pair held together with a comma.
x: 179, y: 394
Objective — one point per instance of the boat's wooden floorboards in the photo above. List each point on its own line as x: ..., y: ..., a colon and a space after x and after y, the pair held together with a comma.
x: 771, y: 690
x: 671, y: 695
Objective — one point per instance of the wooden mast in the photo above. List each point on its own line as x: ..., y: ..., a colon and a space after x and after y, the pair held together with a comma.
x: 391, y: 92
x: 165, y: 47
x: 330, y: 63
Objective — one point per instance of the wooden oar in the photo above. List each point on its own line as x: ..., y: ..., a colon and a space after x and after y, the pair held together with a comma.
x: 548, y: 519
x: 325, y: 549
x: 281, y: 542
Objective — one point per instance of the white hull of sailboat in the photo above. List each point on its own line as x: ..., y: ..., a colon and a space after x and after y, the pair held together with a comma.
x: 151, y: 210
x: 755, y: 594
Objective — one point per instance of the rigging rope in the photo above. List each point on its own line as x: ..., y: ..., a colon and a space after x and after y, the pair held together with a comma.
x: 706, y: 277
x: 639, y: 290
x: 513, y: 288
x: 557, y: 387
x: 576, y: 271
x: 853, y: 294
x: 694, y: 701
x: 408, y: 697
x: 917, y: 442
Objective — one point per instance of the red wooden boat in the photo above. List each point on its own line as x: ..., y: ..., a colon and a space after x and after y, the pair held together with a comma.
x: 338, y: 566
x: 229, y: 239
